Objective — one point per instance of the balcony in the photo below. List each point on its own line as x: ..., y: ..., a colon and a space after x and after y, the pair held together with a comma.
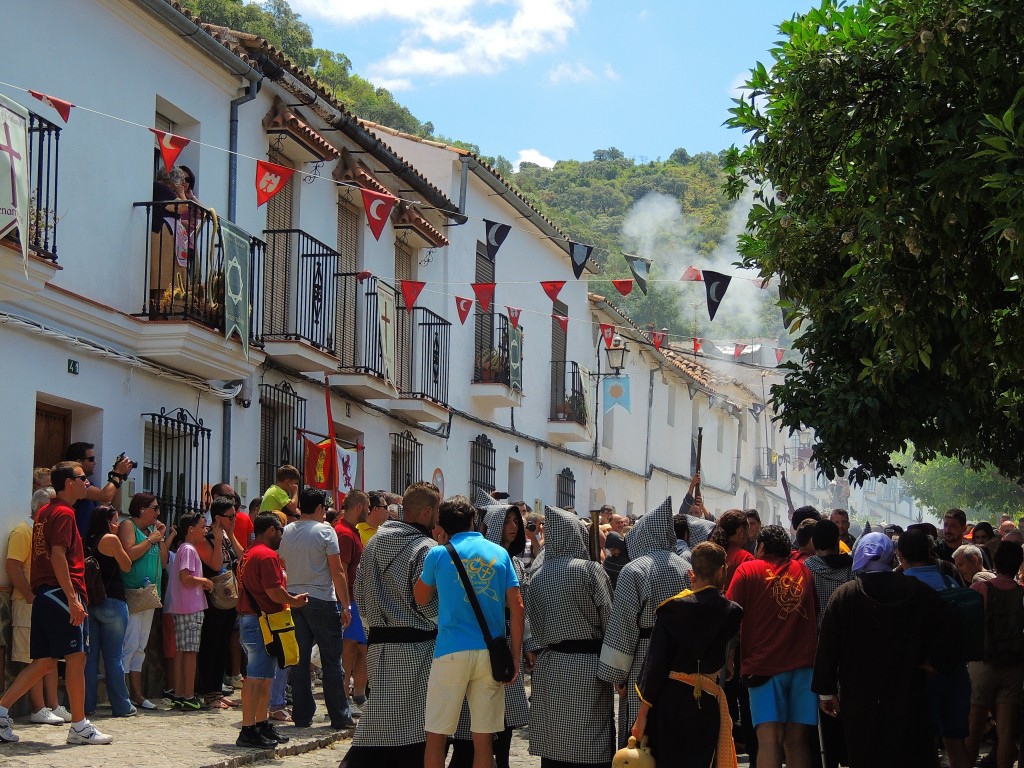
x: 183, y: 298
x: 422, y: 364
x: 767, y: 470
x: 367, y: 338
x: 568, y: 418
x: 296, y: 319
x: 497, y: 364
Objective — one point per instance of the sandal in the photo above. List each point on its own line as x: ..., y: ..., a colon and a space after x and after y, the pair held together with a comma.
x: 281, y: 715
x: 231, y: 702
x: 217, y: 703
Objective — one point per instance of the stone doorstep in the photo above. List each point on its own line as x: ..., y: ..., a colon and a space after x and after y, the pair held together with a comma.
x: 282, y: 750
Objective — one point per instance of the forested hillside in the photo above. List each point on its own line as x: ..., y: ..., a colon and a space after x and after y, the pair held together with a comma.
x: 671, y: 211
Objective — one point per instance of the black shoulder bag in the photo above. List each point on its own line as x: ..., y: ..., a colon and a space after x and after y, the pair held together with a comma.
x: 503, y: 669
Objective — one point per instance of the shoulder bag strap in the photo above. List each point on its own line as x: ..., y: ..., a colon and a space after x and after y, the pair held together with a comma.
x: 469, y: 591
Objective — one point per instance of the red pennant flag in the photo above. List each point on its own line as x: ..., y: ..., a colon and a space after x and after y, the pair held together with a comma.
x: 697, y: 344
x: 378, y: 207
x: 410, y: 292
x: 779, y: 352
x: 484, y: 293
x: 552, y: 287
x: 657, y: 338
x: 623, y: 286
x: 270, y: 179
x: 63, y: 107
x: 360, y: 276
x: 607, y: 333
x: 463, y: 305
x: 513, y: 315
x: 563, y: 321
x: 170, y: 147
x: 692, y: 274
x: 737, y: 350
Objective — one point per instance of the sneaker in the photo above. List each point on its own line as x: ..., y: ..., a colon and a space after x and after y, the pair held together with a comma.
x: 355, y: 709
x: 226, y: 689
x: 250, y: 737
x: 130, y: 713
x: 62, y: 712
x: 46, y: 716
x: 6, y: 732
x: 168, y: 693
x: 193, y: 704
x: 89, y: 734
x: 342, y: 725
x: 267, y: 730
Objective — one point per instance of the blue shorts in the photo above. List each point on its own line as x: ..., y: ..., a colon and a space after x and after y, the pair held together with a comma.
x: 259, y: 664
x: 786, y: 698
x: 52, y: 634
x: 354, y: 630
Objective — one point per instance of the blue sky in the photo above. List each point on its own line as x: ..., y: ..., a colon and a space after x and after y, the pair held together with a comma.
x: 547, y: 80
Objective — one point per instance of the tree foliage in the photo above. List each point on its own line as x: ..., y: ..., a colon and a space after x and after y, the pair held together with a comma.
x: 944, y: 483
x: 886, y: 148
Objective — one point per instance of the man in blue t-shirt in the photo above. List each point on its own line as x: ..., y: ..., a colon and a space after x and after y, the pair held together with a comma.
x: 462, y: 667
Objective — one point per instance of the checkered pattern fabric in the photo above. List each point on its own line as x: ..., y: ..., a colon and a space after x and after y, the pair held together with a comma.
x: 569, y: 599
x: 188, y: 628
x: 826, y: 581
x: 388, y: 569
x: 654, y: 574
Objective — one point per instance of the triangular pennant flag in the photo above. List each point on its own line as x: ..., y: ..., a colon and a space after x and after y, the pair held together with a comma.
x: 623, y: 286
x: 63, y: 107
x: 692, y: 274
x: 579, y: 254
x: 410, y: 292
x: 563, y: 321
x: 640, y: 267
x: 170, y: 147
x: 484, y: 293
x: 779, y: 352
x: 360, y: 276
x: 716, y: 284
x: 607, y: 333
x: 737, y: 350
x: 697, y: 344
x: 378, y: 207
x: 513, y: 315
x: 270, y: 179
x: 463, y: 305
x: 657, y: 338
x: 756, y: 409
x: 495, y: 234
x: 552, y: 287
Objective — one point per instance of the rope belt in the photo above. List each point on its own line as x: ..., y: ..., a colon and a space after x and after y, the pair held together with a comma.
x: 725, y: 753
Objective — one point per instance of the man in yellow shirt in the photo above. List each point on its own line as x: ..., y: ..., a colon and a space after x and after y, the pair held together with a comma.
x: 375, y: 517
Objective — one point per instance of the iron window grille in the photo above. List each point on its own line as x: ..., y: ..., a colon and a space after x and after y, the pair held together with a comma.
x: 406, y: 461
x: 176, y: 461
x: 43, y: 146
x: 565, y: 490
x: 482, y: 475
x: 282, y: 416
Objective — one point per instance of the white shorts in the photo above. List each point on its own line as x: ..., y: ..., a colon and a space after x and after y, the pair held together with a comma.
x: 458, y: 676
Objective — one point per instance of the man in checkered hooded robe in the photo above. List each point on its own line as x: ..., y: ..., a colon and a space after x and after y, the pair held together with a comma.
x: 567, y: 608
x: 654, y: 574
x: 391, y: 733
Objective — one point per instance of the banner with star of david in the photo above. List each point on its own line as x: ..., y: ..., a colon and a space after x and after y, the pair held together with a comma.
x: 235, y: 241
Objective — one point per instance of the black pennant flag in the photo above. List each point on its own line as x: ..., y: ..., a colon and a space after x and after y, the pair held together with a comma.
x: 496, y: 234
x: 640, y: 267
x: 756, y: 409
x: 579, y: 254
x: 716, y: 284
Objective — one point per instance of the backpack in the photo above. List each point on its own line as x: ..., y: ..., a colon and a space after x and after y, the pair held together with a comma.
x: 95, y: 588
x: 1004, y: 626
x: 968, y: 610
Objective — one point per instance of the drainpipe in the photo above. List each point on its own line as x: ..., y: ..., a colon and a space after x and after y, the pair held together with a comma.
x: 249, y: 95
x: 647, y: 448
x: 464, y: 182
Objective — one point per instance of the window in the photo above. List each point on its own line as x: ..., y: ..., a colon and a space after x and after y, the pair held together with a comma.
x: 482, y: 476
x: 282, y: 415
x: 483, y: 328
x: 406, y: 461
x: 348, y: 250
x: 277, y: 265
x: 176, y: 461
x: 403, y: 326
x: 565, y: 491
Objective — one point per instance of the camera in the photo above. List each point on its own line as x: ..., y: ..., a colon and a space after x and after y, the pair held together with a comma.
x: 121, y: 456
x: 531, y: 527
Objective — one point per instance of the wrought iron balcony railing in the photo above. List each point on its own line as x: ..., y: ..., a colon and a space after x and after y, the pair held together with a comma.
x: 568, y: 400
x: 767, y: 469
x: 43, y: 145
x: 491, y: 360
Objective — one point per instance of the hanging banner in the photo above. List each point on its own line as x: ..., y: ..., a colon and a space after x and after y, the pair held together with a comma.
x: 484, y: 293
x: 756, y: 409
x: 640, y: 267
x: 515, y: 359
x: 170, y: 147
x: 410, y: 292
x: 348, y: 462
x: 615, y: 391
x: 608, y: 334
x: 14, y: 172
x: 588, y: 396
x: 378, y: 207
x: 270, y: 179
x: 62, y: 107
x: 319, y: 464
x: 624, y: 286
x: 495, y: 235
x: 513, y: 315
x: 463, y: 305
x: 552, y: 287
x: 579, y: 254
x: 562, y: 320
x: 235, y: 243
x: 386, y: 328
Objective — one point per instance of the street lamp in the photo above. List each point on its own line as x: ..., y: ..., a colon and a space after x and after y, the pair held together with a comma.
x: 616, y: 354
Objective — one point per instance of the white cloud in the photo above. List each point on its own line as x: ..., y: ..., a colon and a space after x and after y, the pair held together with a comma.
x: 532, y: 156
x: 564, y: 72
x: 445, y: 38
x: 610, y: 73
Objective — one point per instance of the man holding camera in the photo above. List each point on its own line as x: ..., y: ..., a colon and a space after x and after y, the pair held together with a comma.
x: 85, y: 454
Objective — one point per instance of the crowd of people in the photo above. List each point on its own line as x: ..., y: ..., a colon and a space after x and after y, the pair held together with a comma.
x: 423, y: 616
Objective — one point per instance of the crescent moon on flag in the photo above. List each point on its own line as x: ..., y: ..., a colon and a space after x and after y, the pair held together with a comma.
x: 711, y: 291
x: 166, y: 141
x: 490, y: 235
x: 373, y: 209
x: 464, y: 304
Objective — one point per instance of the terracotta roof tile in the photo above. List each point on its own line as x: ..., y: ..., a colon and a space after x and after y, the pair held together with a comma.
x: 282, y: 117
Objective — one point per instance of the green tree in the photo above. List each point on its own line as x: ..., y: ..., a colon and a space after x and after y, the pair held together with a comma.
x: 887, y: 154
x: 944, y: 483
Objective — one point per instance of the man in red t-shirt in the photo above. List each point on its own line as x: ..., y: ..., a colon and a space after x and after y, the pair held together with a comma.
x: 59, y: 628
x: 261, y: 578
x: 778, y: 638
x: 354, y: 510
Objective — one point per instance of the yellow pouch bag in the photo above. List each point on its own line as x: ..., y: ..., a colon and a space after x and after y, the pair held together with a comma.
x: 278, y: 632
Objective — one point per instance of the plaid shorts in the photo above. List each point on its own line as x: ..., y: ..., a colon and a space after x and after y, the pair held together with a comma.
x: 187, y: 629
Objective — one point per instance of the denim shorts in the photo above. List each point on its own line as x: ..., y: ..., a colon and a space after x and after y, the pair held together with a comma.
x: 259, y: 663
x: 786, y: 698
